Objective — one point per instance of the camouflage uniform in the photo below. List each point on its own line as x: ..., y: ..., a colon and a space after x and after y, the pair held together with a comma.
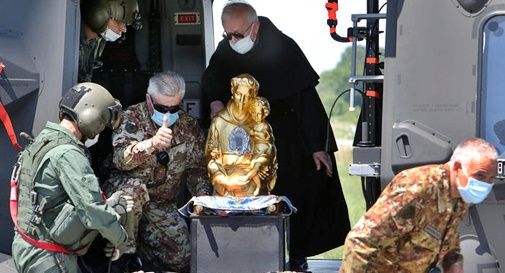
x: 163, y: 237
x: 89, y: 53
x: 411, y: 227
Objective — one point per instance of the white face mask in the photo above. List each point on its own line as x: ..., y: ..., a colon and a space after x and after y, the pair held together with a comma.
x: 243, y: 45
x: 110, y: 36
x: 90, y: 142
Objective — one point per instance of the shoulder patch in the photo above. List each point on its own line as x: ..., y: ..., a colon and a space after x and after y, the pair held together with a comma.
x: 408, y: 212
x: 131, y: 127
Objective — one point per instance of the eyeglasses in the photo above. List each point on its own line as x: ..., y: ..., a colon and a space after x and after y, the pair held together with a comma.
x: 236, y: 34
x: 165, y: 109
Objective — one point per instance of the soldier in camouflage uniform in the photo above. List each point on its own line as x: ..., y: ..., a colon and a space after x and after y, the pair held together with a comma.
x: 157, y: 148
x: 102, y: 20
x: 413, y: 226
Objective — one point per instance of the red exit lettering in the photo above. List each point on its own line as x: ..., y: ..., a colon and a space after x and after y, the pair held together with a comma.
x: 187, y: 19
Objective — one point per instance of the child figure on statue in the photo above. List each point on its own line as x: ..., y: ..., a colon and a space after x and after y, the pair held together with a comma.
x: 262, y: 163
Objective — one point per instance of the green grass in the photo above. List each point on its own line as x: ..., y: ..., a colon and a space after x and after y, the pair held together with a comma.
x: 343, y: 126
x: 351, y: 185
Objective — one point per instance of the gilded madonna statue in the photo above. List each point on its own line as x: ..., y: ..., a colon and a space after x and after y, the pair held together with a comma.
x: 240, y: 151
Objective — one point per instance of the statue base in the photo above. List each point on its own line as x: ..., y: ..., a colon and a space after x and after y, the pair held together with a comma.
x: 241, y: 243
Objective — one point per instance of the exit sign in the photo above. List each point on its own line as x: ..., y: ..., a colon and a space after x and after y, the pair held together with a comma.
x: 187, y: 18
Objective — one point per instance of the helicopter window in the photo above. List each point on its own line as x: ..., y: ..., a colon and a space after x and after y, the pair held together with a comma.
x: 472, y: 6
x: 492, y: 119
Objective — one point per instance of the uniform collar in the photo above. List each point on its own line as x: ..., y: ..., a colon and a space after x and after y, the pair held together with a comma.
x: 88, y: 42
x: 445, y: 201
x: 59, y: 128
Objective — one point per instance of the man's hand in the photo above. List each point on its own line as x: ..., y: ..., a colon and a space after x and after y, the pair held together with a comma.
x: 215, y: 107
x: 112, y: 252
x: 322, y: 158
x: 121, y: 202
x: 163, y: 137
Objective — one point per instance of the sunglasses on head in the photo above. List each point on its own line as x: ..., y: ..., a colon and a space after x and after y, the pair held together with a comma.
x: 236, y: 34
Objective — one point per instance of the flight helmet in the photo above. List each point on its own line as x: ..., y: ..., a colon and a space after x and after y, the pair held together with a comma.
x: 92, y: 107
x: 96, y: 13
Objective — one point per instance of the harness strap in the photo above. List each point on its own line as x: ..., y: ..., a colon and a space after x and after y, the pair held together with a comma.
x: 14, y: 215
x: 4, y: 117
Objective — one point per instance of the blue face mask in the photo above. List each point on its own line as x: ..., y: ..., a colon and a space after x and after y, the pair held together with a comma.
x: 475, y: 191
x: 157, y: 117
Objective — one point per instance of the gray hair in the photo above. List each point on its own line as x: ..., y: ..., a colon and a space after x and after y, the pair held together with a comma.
x: 167, y: 83
x: 473, y: 148
x: 235, y: 8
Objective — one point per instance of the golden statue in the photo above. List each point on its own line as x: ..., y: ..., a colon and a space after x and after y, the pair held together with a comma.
x: 240, y: 150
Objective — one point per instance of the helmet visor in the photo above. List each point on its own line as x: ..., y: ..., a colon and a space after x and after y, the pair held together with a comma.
x: 115, y: 115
